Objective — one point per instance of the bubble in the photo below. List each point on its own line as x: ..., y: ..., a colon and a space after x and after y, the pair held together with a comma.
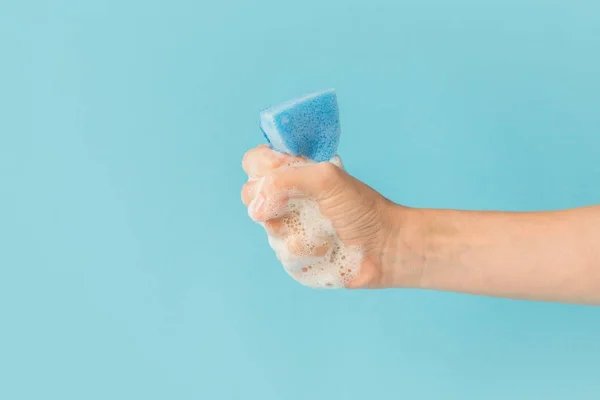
x: 311, y: 252
x: 317, y: 257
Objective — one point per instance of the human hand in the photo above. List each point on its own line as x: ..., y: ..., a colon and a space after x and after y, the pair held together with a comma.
x: 315, y: 213
x: 354, y: 223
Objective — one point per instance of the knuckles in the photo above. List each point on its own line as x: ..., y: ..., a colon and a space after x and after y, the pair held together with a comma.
x: 327, y: 173
x: 248, y: 192
x: 262, y: 156
x: 247, y: 159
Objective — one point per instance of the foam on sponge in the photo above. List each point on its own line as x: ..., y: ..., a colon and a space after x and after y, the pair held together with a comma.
x: 307, y: 126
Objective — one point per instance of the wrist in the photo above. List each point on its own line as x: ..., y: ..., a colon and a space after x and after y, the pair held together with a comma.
x: 404, y: 252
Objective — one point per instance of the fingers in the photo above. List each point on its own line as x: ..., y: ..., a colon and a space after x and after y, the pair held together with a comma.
x: 299, y: 249
x: 307, y: 251
x: 274, y: 179
x: 297, y: 243
x: 276, y: 227
x: 311, y: 179
x: 317, y: 181
x: 298, y: 178
x: 249, y: 191
x: 301, y: 246
x: 261, y: 160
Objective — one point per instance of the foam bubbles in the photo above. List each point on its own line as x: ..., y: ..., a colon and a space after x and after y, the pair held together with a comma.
x: 312, y: 253
x: 307, y: 245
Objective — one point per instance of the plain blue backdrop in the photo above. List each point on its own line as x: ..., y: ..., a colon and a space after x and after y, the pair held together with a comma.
x: 129, y: 268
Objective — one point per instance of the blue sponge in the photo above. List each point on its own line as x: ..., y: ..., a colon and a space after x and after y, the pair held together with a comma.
x: 308, y: 126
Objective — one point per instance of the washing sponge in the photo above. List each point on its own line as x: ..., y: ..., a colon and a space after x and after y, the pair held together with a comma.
x: 307, y: 126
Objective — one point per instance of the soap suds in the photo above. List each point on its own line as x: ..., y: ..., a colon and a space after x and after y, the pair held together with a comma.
x: 307, y: 244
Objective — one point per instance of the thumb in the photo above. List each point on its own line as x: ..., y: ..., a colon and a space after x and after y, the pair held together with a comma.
x: 315, y: 180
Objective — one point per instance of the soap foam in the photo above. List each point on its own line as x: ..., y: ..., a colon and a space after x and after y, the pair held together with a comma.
x: 308, y: 246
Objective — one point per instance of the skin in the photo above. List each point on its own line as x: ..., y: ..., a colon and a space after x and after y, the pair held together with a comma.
x: 544, y: 256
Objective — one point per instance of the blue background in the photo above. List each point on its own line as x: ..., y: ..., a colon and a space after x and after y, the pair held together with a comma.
x: 129, y: 268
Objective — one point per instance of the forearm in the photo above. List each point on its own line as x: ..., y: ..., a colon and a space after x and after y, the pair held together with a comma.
x: 549, y: 256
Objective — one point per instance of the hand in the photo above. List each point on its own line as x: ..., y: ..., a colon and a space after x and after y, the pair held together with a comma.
x: 543, y: 256
x: 361, y: 218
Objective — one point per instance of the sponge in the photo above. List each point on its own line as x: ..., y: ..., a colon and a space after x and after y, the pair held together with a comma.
x: 307, y: 126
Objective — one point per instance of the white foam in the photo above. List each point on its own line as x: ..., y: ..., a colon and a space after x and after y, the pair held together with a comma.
x: 310, y: 249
